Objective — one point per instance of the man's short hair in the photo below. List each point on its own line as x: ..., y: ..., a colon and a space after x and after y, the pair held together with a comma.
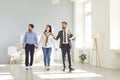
x: 31, y: 25
x: 64, y: 22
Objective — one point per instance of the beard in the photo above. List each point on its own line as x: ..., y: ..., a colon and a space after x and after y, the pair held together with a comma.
x: 63, y: 27
x: 29, y: 30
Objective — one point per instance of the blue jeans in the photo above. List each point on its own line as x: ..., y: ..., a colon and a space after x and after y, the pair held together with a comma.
x: 47, y: 55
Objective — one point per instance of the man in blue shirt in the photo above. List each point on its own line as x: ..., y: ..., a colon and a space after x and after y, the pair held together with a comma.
x: 30, y: 42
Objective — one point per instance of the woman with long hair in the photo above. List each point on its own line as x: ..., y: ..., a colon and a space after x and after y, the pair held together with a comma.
x: 47, y: 42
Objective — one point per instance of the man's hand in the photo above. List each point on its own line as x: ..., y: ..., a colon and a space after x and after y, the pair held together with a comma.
x: 73, y: 39
x: 23, y: 47
x: 36, y: 47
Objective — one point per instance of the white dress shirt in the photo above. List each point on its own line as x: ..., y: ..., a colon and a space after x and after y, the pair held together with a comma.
x: 66, y: 36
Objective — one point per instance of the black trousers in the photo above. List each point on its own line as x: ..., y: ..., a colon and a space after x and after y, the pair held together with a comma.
x: 29, y: 50
x: 66, y: 49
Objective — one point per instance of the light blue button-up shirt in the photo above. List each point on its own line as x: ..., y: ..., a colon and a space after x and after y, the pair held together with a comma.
x: 30, y: 38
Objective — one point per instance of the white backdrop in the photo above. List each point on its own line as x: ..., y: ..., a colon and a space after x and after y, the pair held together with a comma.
x: 15, y: 15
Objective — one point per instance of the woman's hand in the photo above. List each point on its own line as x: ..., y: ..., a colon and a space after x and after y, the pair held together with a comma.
x: 56, y: 49
x: 52, y: 35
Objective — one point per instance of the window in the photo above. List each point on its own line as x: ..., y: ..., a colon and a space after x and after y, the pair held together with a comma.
x: 88, y: 25
x: 88, y: 7
x: 114, y: 25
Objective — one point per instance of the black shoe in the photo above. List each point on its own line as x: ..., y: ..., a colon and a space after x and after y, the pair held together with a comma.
x: 71, y: 69
x: 64, y: 69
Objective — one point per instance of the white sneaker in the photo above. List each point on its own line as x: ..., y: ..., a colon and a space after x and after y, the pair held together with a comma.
x: 27, y: 68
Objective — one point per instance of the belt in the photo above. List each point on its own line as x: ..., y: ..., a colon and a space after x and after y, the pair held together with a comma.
x: 29, y: 44
x: 65, y: 44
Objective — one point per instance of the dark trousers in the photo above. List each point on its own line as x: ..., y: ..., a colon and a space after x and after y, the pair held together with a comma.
x: 66, y: 49
x: 29, y: 50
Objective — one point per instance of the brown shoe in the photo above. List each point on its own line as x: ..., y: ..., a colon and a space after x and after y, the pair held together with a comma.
x: 48, y: 69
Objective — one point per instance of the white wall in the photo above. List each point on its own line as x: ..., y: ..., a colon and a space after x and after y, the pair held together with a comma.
x: 101, y: 23
x: 15, y: 15
x: 105, y: 13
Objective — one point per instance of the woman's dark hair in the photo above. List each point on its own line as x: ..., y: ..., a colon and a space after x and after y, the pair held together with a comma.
x: 50, y: 28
